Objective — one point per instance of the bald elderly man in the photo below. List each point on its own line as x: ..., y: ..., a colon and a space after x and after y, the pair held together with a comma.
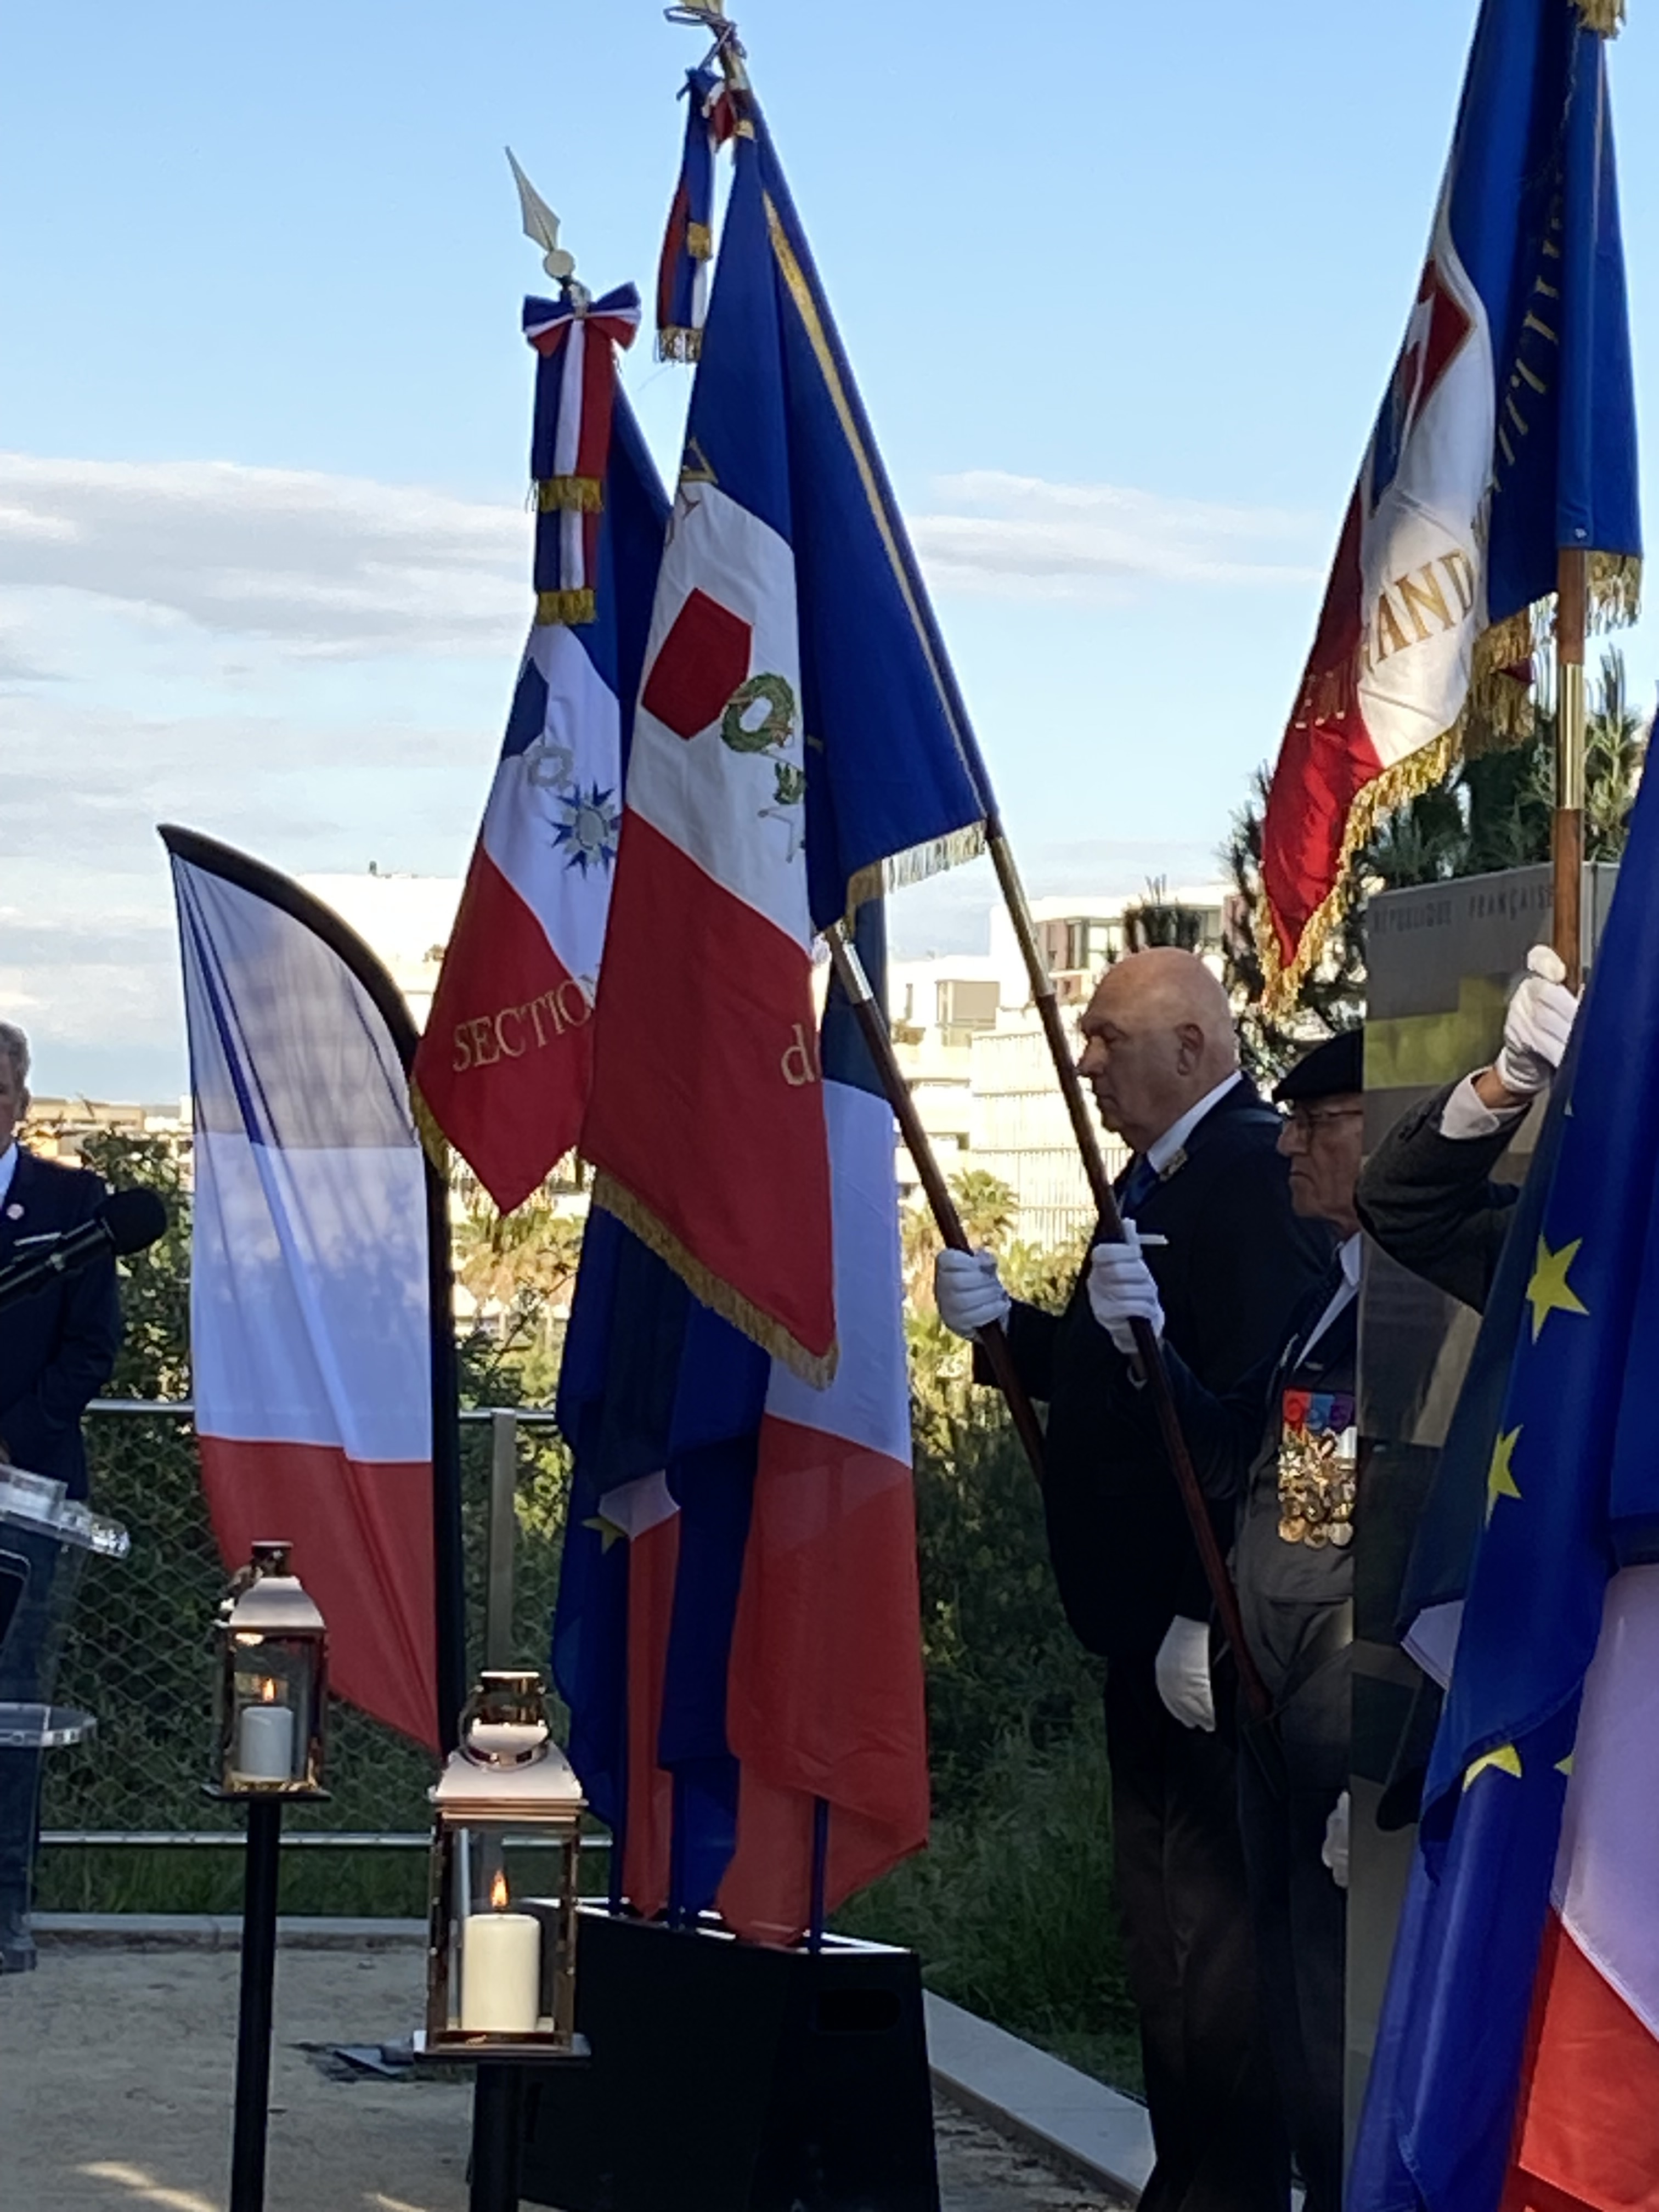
x: 1162, y: 1057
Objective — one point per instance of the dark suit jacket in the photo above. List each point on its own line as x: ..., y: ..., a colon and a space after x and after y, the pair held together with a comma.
x: 1430, y: 1202
x: 1237, y: 1266
x: 58, y: 1348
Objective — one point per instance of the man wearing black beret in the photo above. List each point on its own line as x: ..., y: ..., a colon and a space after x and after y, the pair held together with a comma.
x: 1283, y: 1447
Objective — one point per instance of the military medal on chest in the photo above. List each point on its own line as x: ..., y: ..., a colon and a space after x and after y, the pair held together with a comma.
x: 1318, y: 1461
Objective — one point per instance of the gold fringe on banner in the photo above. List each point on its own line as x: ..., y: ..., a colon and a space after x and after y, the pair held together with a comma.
x: 1498, y: 712
x: 675, y: 343
x: 569, y: 495
x: 1406, y: 780
x: 1603, y: 15
x: 434, y: 1143
x: 914, y: 866
x: 817, y: 1369
x: 570, y: 607
x: 699, y: 241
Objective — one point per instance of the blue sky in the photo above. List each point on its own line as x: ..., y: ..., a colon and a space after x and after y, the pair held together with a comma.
x: 1121, y: 286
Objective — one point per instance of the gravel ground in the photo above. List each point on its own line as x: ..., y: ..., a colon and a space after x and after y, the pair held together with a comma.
x: 115, y: 2086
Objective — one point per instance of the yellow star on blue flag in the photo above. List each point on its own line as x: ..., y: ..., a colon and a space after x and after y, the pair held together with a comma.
x: 1549, y: 1291
x: 1500, y: 1477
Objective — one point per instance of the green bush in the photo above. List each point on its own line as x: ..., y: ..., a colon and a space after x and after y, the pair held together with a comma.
x: 1011, y: 1905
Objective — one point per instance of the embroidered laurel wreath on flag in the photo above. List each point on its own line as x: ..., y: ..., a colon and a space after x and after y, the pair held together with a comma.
x: 1507, y: 434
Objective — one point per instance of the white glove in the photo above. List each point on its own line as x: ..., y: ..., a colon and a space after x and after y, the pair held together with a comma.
x: 1121, y: 1290
x: 1333, y: 1852
x: 1181, y: 1671
x: 968, y: 1292
x: 1537, y: 1025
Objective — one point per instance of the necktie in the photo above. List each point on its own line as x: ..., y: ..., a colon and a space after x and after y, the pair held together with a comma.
x: 1141, y: 1178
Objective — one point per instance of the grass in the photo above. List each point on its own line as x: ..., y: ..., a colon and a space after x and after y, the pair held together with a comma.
x: 1011, y: 1910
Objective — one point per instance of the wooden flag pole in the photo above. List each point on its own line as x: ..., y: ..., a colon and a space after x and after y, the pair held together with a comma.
x: 872, y: 1025
x: 709, y: 15
x: 1149, y: 1350
x: 1567, y: 837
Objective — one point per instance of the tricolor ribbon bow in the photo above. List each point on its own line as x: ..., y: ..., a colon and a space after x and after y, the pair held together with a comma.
x: 575, y: 388
x: 683, y: 276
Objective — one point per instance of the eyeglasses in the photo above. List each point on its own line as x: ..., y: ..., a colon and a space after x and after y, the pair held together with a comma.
x: 1305, y: 1125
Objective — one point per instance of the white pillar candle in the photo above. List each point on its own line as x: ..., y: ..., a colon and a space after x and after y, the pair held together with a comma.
x: 264, y: 1743
x: 501, y: 1973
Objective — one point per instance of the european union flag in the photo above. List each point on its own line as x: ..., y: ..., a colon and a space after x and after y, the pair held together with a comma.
x: 1488, y: 1963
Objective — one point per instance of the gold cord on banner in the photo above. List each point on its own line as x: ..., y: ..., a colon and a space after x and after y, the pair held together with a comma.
x: 570, y: 607
x: 817, y: 1369
x: 675, y: 342
x: 1603, y: 15
x: 569, y: 495
x: 699, y: 241
x: 1498, y: 712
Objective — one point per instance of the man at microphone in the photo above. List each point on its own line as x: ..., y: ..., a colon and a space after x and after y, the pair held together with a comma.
x: 57, y: 1349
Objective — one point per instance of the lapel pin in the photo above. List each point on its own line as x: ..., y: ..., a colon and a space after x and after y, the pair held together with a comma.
x: 14, y: 1212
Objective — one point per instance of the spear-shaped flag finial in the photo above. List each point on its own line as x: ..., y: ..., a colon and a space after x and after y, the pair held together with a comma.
x: 542, y: 226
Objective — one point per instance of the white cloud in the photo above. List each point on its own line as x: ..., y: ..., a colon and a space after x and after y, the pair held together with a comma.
x: 316, y: 668
x: 323, y: 565
x: 1011, y: 537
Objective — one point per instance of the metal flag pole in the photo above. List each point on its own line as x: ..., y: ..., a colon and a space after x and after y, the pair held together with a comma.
x: 1567, y: 834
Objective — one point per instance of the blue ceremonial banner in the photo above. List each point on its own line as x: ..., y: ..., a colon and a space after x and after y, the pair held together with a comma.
x: 895, y: 786
x: 1507, y: 1923
x: 1507, y: 435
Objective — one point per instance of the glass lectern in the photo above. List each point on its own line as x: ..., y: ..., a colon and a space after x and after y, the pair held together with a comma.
x: 46, y: 1538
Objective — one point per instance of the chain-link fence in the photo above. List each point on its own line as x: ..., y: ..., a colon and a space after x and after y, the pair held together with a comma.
x: 138, y: 1655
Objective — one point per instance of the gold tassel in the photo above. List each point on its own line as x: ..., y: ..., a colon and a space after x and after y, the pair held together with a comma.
x: 434, y: 1143
x: 675, y: 343
x: 1603, y: 15
x: 699, y: 241
x: 817, y: 1369
x: 569, y: 495
x: 570, y: 607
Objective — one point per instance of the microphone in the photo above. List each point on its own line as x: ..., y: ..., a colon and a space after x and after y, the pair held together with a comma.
x: 127, y: 1221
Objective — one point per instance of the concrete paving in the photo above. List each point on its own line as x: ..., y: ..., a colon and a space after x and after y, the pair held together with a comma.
x: 115, y: 2088
x: 1076, y: 2122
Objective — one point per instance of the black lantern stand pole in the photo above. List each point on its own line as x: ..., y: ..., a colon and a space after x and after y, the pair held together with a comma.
x: 253, y: 2024
x: 496, y: 2122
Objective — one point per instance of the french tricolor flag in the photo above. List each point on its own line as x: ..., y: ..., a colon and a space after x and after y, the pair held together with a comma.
x: 504, y: 1067
x: 825, y: 1703
x: 312, y: 1275
x: 1587, y: 2128
x: 1506, y: 436
x: 733, y: 1384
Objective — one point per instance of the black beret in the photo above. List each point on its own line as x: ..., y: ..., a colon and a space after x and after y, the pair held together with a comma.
x: 1330, y: 1070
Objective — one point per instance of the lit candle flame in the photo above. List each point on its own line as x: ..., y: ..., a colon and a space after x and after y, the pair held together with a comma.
x: 498, y: 1892
x: 267, y: 1692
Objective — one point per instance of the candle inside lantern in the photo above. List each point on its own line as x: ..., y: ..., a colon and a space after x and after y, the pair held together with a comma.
x: 500, y: 1969
x: 265, y: 1739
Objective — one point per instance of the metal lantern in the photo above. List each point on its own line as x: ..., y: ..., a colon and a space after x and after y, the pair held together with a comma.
x: 272, y: 1686
x: 500, y: 1965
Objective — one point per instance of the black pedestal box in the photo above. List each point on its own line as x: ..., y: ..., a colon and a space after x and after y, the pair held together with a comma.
x: 729, y: 2078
